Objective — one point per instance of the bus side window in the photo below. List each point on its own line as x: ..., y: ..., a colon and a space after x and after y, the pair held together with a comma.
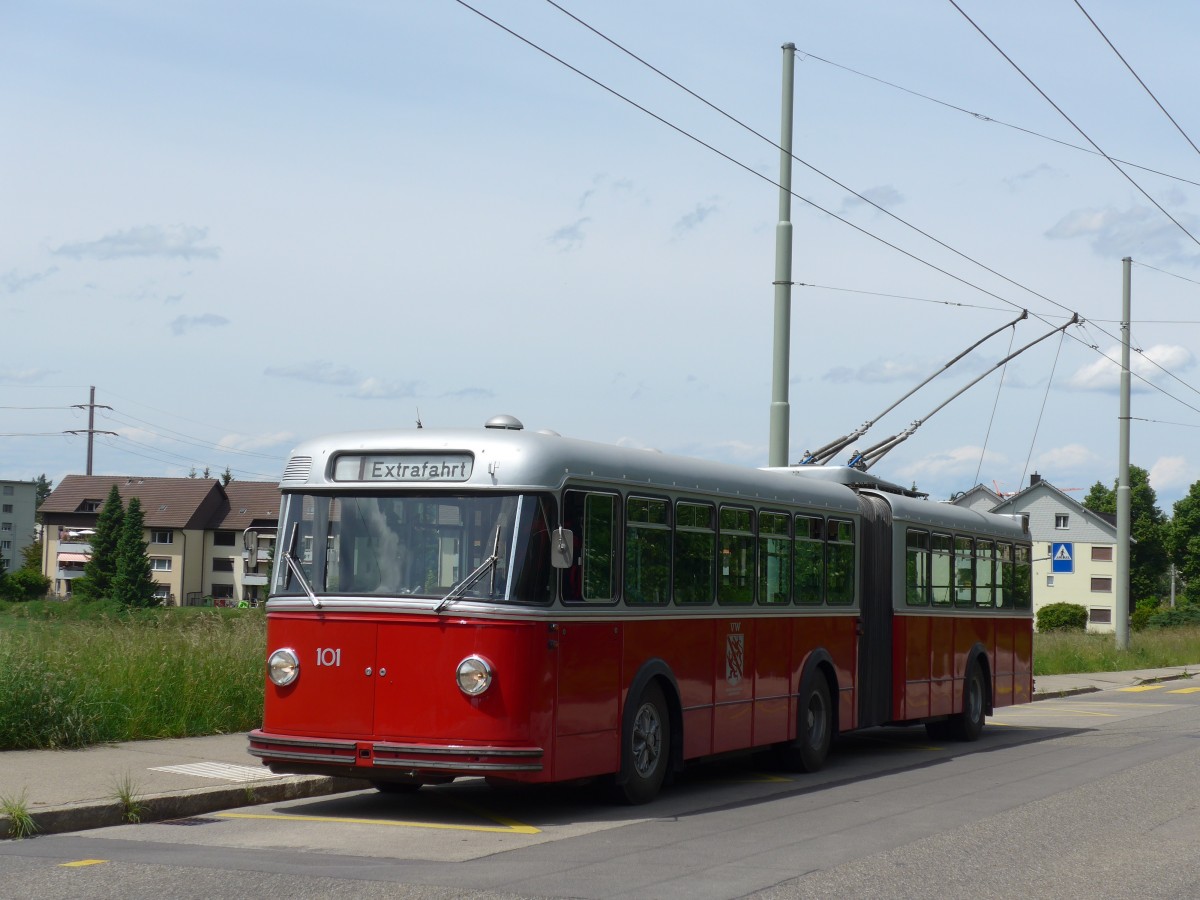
x: 810, y: 560
x: 839, y: 574
x: 964, y: 572
x: 695, y: 553
x: 647, y: 551
x: 736, y: 583
x: 774, y: 559
x: 941, y: 575
x: 1004, y: 576
x: 916, y: 568
x: 592, y: 519
x: 985, y: 567
x: 1023, y: 577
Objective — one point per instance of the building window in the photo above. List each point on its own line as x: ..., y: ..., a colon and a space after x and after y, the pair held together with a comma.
x: 1061, y: 521
x: 8, y: 490
x: 222, y: 565
x: 90, y: 506
x: 7, y: 508
x: 1102, y: 554
x: 1102, y: 585
x: 161, y: 592
x: 1099, y: 616
x: 5, y: 545
x: 160, y: 564
x: 222, y: 592
x: 224, y: 539
x: 5, y: 526
x: 162, y: 537
x: 1049, y: 581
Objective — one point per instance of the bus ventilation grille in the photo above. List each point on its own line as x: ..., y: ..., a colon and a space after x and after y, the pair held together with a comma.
x: 297, y: 469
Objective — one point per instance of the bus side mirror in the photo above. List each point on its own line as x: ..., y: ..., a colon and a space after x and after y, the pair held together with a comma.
x: 562, y: 548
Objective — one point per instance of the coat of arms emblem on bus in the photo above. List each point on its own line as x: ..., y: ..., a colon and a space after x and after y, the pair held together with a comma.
x: 735, y: 657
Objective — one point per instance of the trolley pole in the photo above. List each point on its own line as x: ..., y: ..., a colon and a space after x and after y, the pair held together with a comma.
x: 781, y: 360
x: 1121, y: 597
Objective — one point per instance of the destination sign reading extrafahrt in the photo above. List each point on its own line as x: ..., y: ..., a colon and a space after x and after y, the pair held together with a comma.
x: 404, y: 467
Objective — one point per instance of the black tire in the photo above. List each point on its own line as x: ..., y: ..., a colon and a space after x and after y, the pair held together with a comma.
x: 645, y: 748
x: 968, y: 724
x: 814, y: 730
x: 396, y: 787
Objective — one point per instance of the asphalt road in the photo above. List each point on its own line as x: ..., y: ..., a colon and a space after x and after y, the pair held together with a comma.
x: 1094, y: 796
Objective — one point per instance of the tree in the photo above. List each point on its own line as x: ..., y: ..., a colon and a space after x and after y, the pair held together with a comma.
x: 24, y: 585
x: 226, y: 476
x: 1148, y: 557
x: 1185, y: 543
x: 42, y: 491
x: 133, y: 583
x: 98, y: 574
x: 31, y: 556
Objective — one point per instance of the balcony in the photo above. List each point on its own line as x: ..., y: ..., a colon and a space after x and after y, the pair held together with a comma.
x: 75, y: 547
x: 250, y: 579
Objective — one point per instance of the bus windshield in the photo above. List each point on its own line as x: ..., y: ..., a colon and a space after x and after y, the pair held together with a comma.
x: 426, y: 545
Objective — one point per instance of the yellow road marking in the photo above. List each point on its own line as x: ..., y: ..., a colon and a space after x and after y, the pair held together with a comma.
x: 1191, y: 690
x: 1138, y: 688
x: 1053, y: 712
x: 506, y: 826
x: 82, y: 862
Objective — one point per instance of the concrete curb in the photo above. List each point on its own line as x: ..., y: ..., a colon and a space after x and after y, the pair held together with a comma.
x: 182, y: 804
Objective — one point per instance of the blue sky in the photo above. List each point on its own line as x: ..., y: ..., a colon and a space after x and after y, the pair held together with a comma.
x: 248, y: 224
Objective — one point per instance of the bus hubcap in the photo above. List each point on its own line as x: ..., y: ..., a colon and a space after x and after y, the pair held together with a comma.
x: 647, y: 740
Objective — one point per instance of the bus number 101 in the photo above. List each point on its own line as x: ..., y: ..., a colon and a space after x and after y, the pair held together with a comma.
x: 328, y: 656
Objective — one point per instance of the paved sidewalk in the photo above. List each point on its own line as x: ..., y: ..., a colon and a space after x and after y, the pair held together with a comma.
x: 72, y: 790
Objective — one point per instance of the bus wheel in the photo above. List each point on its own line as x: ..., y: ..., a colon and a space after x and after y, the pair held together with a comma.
x: 396, y: 787
x: 645, y: 748
x: 807, y: 753
x: 967, y: 725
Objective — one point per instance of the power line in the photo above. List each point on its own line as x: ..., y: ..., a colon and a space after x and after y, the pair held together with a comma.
x: 189, y: 439
x: 1083, y: 133
x: 984, y: 118
x: 1138, y: 77
x: 805, y: 200
x: 812, y: 168
x: 1165, y: 272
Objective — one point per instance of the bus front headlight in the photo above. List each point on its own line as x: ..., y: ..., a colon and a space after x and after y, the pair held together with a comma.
x: 283, y: 667
x: 474, y: 676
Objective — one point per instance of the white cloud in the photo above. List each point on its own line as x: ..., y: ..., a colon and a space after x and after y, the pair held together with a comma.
x: 13, y: 282
x: 256, y: 441
x: 24, y: 376
x: 884, y: 196
x: 957, y: 461
x: 1114, y: 233
x: 172, y: 242
x: 691, y: 220
x: 1172, y: 473
x: 184, y: 324
x: 318, y: 371
x: 1104, y: 374
x: 1069, y: 457
x: 880, y: 371
x: 569, y: 237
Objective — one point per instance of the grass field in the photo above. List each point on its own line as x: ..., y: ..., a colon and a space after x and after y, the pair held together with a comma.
x: 78, y: 674
x: 75, y: 674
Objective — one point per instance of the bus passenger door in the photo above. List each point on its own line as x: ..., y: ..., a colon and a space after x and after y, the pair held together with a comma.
x: 586, y: 726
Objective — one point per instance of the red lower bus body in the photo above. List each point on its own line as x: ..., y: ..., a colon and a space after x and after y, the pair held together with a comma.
x: 376, y: 697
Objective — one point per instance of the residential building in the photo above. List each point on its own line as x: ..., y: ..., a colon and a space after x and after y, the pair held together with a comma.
x: 1074, y: 549
x: 194, y: 534
x: 18, y: 503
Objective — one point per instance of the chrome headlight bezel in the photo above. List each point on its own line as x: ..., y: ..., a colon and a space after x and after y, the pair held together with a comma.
x: 283, y: 667
x: 474, y: 675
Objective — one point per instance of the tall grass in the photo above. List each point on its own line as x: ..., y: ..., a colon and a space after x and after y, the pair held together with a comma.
x: 78, y: 674
x: 1066, y: 653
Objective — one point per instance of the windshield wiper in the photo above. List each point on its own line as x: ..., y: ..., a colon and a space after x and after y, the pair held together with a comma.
x: 290, y: 558
x: 462, y: 586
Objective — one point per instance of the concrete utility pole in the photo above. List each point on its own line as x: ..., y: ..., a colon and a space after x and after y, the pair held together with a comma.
x: 780, y: 410
x: 91, y: 431
x: 1121, y: 598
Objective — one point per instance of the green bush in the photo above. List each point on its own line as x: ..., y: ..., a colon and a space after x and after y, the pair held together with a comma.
x: 1174, y: 618
x: 1062, y: 617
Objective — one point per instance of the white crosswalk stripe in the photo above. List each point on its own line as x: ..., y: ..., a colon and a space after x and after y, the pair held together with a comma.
x: 224, y: 771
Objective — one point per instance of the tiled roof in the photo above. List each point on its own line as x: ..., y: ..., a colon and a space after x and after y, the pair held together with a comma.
x: 249, y: 502
x: 193, y: 503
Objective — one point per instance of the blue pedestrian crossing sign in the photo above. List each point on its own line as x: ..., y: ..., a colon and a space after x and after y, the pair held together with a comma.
x: 1062, y: 557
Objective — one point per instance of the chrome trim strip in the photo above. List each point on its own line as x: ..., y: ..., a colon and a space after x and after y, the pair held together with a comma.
x: 331, y: 744
x: 421, y: 764
x: 458, y: 750
x: 322, y: 758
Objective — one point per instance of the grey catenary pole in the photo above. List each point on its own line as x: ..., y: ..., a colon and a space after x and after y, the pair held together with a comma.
x: 1121, y: 596
x: 780, y: 411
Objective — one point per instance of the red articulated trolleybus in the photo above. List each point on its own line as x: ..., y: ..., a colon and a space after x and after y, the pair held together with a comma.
x: 532, y: 608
